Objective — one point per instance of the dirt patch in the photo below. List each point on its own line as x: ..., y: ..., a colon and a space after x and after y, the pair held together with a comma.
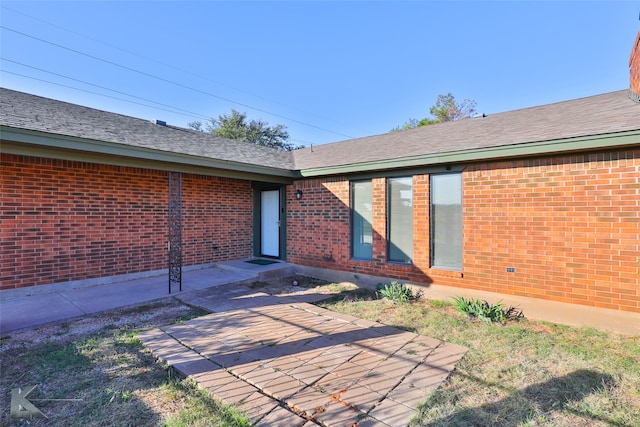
x: 302, y: 285
x: 143, y: 316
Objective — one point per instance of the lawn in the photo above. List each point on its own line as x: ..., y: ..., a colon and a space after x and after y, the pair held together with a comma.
x: 521, y: 373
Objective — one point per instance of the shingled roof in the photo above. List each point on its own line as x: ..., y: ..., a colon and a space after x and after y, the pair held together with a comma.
x: 595, y: 115
x: 600, y: 118
x: 25, y: 111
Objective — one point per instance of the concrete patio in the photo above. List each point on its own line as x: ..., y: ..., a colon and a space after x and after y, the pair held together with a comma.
x: 40, y: 305
x: 286, y: 362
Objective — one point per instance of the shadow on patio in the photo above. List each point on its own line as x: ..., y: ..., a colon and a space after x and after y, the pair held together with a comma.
x: 283, y: 360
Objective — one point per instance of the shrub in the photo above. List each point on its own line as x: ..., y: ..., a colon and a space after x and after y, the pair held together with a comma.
x: 485, y: 311
x: 396, y: 292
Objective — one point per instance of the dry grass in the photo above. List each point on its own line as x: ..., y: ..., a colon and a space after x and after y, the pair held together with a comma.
x: 99, y: 361
x: 519, y: 374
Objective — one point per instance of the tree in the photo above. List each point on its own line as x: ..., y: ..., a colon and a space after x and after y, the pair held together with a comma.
x: 446, y: 109
x: 236, y: 126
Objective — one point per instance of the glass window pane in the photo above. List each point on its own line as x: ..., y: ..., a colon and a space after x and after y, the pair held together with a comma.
x: 446, y: 221
x: 361, y: 214
x: 400, y: 219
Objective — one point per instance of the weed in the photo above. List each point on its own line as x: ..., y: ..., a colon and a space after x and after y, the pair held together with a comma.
x: 117, y: 395
x: 485, y: 311
x: 396, y: 292
x: 436, y: 303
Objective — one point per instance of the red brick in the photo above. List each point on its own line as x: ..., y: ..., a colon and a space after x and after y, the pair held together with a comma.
x: 559, y: 222
x: 108, y: 220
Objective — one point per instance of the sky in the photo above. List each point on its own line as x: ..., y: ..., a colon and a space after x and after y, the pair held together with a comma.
x: 328, y: 70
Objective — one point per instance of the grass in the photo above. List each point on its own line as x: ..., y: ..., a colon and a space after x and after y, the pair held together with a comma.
x: 115, y: 379
x: 520, y: 373
x: 202, y: 411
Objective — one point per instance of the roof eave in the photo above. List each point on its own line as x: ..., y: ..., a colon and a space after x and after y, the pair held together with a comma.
x: 36, y: 143
x: 540, y: 148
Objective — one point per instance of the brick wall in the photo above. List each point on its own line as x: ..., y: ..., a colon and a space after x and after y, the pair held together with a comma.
x: 569, y: 226
x: 217, y: 219
x: 63, y: 221
x: 634, y: 71
x: 318, y: 223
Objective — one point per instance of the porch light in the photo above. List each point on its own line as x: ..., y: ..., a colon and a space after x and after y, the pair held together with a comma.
x: 298, y: 194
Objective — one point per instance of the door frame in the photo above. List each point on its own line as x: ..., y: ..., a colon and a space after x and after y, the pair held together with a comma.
x: 258, y: 188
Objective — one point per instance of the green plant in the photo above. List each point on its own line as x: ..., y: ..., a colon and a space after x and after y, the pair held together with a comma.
x: 485, y: 311
x: 396, y: 292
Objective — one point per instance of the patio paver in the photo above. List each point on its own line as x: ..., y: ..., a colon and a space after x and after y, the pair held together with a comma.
x: 295, y: 364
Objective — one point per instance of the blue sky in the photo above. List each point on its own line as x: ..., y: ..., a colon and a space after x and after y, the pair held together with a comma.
x: 328, y: 71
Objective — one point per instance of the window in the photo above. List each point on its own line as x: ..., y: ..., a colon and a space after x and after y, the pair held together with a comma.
x: 361, y: 230
x: 446, y: 221
x: 400, y: 219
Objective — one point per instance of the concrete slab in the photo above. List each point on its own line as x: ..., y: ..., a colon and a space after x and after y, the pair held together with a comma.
x: 393, y: 413
x: 101, y: 298
x: 361, y: 398
x: 280, y: 417
x: 207, y: 277
x: 263, y: 272
x: 26, y: 308
x: 336, y: 413
x: 256, y: 406
x: 234, y: 391
x: 29, y: 311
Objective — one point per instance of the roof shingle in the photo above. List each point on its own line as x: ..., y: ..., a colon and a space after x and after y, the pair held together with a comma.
x: 31, y: 112
x: 594, y: 115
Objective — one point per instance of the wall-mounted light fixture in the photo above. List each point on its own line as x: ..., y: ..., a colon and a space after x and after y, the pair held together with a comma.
x: 298, y: 194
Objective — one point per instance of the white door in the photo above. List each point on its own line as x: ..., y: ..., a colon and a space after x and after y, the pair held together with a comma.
x: 270, y: 223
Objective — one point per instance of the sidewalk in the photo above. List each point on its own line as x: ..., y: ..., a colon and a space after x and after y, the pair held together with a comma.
x: 25, y: 311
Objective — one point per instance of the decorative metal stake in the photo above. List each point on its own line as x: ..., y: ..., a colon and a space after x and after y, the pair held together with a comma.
x: 175, y: 229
